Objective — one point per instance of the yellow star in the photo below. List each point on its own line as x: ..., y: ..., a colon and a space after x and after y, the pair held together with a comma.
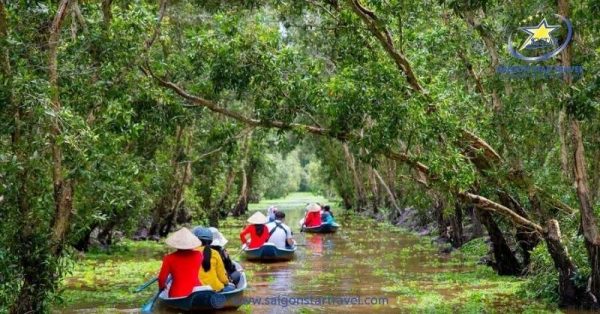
x: 539, y: 33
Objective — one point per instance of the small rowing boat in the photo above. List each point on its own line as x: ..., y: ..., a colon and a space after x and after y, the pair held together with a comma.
x: 269, y: 252
x: 323, y: 228
x: 205, y: 299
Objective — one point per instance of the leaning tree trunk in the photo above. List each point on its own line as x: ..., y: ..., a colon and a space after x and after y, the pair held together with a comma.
x: 527, y: 238
x: 392, y: 198
x: 569, y: 293
x: 505, y: 261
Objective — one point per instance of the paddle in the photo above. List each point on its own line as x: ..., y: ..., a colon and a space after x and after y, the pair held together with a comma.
x: 238, y: 252
x: 144, y: 286
x: 147, y: 308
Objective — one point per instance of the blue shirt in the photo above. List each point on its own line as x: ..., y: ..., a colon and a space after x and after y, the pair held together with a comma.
x: 326, y: 218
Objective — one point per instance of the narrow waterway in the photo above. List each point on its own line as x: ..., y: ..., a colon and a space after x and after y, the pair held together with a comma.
x: 365, y: 267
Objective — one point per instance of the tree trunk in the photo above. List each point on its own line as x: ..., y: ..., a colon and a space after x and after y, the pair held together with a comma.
x: 242, y: 202
x: 456, y: 226
x: 505, y: 261
x: 163, y: 208
x: 177, y: 199
x: 241, y: 206
x: 438, y: 213
x: 83, y: 243
x: 375, y: 199
x: 38, y: 276
x: 589, y: 225
x: 564, y: 149
x: 218, y: 210
x: 476, y: 227
x: 361, y: 199
x: 390, y: 194
x: 527, y: 238
x: 105, y: 234
x: 569, y: 293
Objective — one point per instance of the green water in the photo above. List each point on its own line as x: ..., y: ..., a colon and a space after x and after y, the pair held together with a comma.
x: 365, y: 262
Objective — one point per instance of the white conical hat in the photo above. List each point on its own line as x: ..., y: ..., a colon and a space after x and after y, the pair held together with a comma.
x: 183, y: 239
x: 218, y: 238
x: 314, y: 208
x: 258, y: 218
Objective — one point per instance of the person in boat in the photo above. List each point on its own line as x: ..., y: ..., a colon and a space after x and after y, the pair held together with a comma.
x: 279, y: 233
x: 326, y: 215
x: 218, y: 244
x: 212, y: 271
x: 181, y: 266
x: 257, y: 231
x: 271, y: 213
x: 313, y: 216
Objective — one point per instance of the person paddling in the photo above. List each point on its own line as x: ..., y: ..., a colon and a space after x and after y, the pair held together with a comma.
x: 271, y: 213
x: 257, y: 230
x: 279, y: 233
x: 218, y: 244
x: 212, y: 272
x: 326, y: 215
x: 182, y: 265
x: 313, y: 216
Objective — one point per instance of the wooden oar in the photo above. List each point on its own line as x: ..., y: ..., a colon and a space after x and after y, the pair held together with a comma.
x: 144, y: 286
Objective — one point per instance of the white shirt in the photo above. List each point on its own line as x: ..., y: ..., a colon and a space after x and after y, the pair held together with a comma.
x: 279, y: 236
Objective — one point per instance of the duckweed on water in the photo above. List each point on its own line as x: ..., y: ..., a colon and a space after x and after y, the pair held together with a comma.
x: 107, y: 280
x: 364, y: 258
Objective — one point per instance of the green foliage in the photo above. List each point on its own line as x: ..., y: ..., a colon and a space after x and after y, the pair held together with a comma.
x: 139, y: 154
x: 544, y: 278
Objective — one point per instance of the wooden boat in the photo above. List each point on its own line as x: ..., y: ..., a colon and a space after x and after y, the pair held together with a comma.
x: 323, y: 228
x: 269, y: 252
x: 205, y: 299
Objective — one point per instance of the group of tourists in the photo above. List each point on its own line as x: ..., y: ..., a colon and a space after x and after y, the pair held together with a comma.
x: 316, y: 215
x: 200, y: 260
x: 262, y: 229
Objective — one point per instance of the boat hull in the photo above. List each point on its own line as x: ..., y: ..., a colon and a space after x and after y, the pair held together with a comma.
x: 206, y: 299
x: 269, y: 253
x: 324, y: 228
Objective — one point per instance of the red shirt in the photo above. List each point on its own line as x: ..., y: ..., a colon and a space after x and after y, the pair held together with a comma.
x: 313, y: 219
x: 183, y: 266
x: 255, y: 239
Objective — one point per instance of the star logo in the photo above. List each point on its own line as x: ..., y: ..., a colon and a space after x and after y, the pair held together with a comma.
x: 539, y: 36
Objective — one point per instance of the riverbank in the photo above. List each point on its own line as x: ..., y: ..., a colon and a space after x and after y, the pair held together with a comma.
x: 365, y: 259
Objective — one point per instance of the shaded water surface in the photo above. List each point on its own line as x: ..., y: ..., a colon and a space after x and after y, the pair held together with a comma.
x: 379, y: 266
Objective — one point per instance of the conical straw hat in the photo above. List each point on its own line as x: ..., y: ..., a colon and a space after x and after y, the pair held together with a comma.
x: 258, y: 218
x: 218, y: 238
x: 314, y: 208
x: 183, y: 239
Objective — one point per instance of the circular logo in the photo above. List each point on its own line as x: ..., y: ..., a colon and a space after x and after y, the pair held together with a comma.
x: 217, y: 300
x: 540, y: 42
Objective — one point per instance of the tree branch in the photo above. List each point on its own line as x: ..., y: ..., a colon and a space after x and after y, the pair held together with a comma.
x: 384, y: 37
x: 197, y: 101
x: 489, y: 205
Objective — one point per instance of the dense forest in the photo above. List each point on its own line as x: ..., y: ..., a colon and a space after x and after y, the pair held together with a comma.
x: 135, y: 116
